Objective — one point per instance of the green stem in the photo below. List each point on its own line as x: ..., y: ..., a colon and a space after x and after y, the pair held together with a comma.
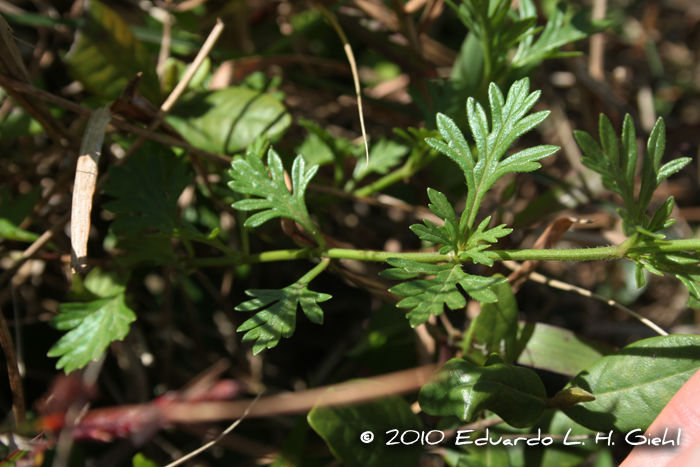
x: 397, y: 175
x: 581, y: 254
x: 318, y: 269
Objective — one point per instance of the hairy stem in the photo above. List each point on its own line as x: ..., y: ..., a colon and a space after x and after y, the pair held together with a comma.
x: 580, y: 254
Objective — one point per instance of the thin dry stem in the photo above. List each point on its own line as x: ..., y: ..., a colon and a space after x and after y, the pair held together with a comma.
x: 217, y: 439
x: 8, y: 348
x: 353, y: 67
x: 181, y: 86
x: 8, y: 82
x: 586, y: 293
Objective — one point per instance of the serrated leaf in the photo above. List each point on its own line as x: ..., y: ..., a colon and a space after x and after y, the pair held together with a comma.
x: 508, y: 122
x: 383, y: 155
x: 491, y: 235
x: 495, y: 329
x: 250, y: 177
x: 278, y: 318
x: 341, y: 427
x: 230, y: 119
x: 94, y: 325
x: 563, y: 27
x: 425, y: 297
x: 634, y: 384
x: 106, y: 56
x: 460, y: 388
x: 147, y: 188
x: 617, y: 170
x: 448, y: 234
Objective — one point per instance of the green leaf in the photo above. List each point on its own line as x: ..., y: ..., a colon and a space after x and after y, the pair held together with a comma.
x: 448, y: 234
x: 341, y: 427
x: 493, y: 454
x: 139, y: 460
x: 634, y: 384
x: 106, y: 56
x: 460, y: 388
x: 617, y: 170
x: 685, y: 266
x: 146, y: 189
x: 92, y: 325
x: 425, y: 297
x: 495, y: 330
x: 557, y: 350
x: 383, y: 155
x: 485, y: 167
x: 278, y: 318
x: 563, y: 27
x: 558, y: 454
x: 250, y: 177
x: 228, y: 120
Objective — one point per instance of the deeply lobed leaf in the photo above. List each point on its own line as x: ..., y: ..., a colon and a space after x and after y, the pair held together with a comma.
x: 250, y: 177
x: 426, y: 297
x: 92, y: 325
x: 279, y: 307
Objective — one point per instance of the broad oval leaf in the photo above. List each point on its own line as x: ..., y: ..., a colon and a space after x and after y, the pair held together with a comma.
x: 495, y: 330
x: 460, y: 388
x: 632, y: 385
x: 228, y: 120
x: 106, y: 56
x: 341, y: 427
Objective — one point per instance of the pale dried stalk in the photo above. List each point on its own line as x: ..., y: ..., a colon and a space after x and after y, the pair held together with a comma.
x: 586, y: 293
x: 84, y: 187
x: 181, y: 86
x: 597, y: 47
x: 351, y: 392
x: 216, y: 440
x: 353, y: 67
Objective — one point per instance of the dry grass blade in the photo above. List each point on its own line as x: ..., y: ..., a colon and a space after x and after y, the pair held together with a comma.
x: 353, y: 66
x: 352, y: 392
x: 217, y: 439
x: 586, y: 293
x: 8, y: 349
x: 84, y: 187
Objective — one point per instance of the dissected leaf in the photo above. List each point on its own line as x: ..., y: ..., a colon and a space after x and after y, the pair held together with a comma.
x: 147, y: 188
x: 228, y: 120
x: 277, y: 317
x: 341, y: 427
x: 460, y: 388
x: 250, y: 177
x: 617, y: 167
x: 106, y: 56
x: 495, y: 330
x: 563, y: 27
x: 483, y: 168
x: 425, y: 297
x: 448, y: 234
x: 635, y: 383
x: 92, y: 325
